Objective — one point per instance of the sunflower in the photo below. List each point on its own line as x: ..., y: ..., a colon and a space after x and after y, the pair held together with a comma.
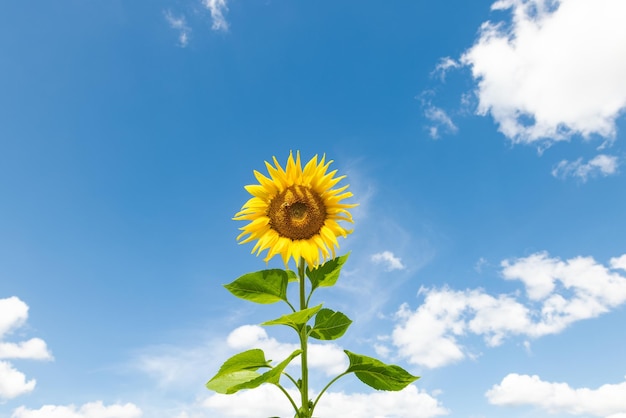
x: 296, y: 212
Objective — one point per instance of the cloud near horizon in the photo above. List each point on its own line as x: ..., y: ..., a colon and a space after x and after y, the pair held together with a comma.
x: 559, y: 293
x: 89, y: 410
x: 267, y: 400
x: 607, y: 401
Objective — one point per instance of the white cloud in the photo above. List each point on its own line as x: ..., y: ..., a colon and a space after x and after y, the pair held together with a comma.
x: 389, y: 259
x: 217, y: 9
x: 440, y: 120
x: 407, y: 403
x: 180, y: 24
x: 618, y: 262
x: 269, y: 401
x: 266, y: 400
x: 601, y: 164
x: 429, y: 335
x: 571, y: 290
x: 445, y: 64
x: 88, y: 410
x: 13, y: 314
x: 542, y: 78
x: 13, y: 382
x: 559, y: 293
x: 35, y: 349
x: 328, y: 357
x: 607, y: 401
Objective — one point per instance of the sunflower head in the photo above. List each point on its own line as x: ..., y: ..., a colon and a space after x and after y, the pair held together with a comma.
x: 295, y: 212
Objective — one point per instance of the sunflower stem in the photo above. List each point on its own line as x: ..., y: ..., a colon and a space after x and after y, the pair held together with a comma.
x: 304, y: 387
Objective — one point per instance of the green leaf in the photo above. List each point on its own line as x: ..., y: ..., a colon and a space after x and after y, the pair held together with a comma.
x: 271, y: 376
x: 265, y: 286
x: 238, y: 369
x: 224, y: 384
x: 293, y: 276
x: 377, y: 374
x: 329, y: 325
x: 295, y: 320
x: 326, y: 275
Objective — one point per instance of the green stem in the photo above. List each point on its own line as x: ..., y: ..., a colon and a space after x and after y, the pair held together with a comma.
x: 291, y: 378
x: 324, y: 390
x: 309, y: 297
x: 288, y: 397
x: 304, y: 387
x: 291, y: 306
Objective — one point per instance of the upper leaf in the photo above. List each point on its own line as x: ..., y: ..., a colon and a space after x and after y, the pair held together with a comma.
x: 377, y: 374
x: 326, y: 275
x: 295, y: 320
x: 270, y: 376
x: 265, y: 286
x: 238, y: 369
x: 329, y: 325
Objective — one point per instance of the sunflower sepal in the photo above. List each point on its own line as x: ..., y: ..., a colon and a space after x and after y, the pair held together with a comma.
x: 264, y: 287
x: 296, y: 320
x: 327, y: 274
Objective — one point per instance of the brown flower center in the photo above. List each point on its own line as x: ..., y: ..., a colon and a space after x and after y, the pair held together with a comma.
x: 297, y: 213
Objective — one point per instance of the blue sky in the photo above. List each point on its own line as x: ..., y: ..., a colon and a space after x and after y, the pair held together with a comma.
x: 482, y: 140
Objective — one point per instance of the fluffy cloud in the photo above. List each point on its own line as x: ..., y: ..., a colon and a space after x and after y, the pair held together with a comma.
x: 14, y: 314
x: 608, y: 401
x: 604, y: 165
x: 408, y: 403
x: 389, y: 259
x: 35, y: 349
x: 429, y: 335
x: 618, y: 262
x: 13, y: 383
x: 217, y: 9
x: 327, y: 357
x: 88, y: 410
x: 559, y: 293
x: 542, y: 78
x: 267, y: 400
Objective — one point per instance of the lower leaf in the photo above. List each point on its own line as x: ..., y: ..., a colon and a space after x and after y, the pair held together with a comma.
x: 377, y: 374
